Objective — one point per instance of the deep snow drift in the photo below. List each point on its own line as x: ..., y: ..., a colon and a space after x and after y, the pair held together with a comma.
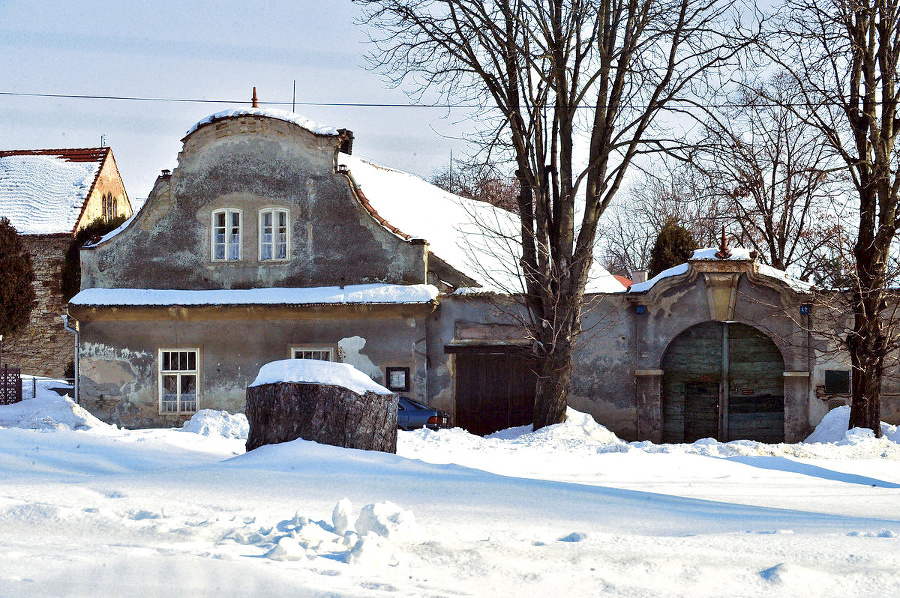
x: 87, y: 509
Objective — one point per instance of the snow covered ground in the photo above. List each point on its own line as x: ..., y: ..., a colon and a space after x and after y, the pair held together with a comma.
x: 87, y: 509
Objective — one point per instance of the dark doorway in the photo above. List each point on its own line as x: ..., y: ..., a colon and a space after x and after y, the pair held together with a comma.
x: 723, y: 380
x: 701, y: 411
x: 494, y: 390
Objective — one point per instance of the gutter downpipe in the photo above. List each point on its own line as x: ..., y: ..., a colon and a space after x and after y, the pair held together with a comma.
x: 65, y: 319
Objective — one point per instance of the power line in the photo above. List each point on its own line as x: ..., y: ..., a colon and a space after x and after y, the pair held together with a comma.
x: 205, y: 101
x: 444, y: 106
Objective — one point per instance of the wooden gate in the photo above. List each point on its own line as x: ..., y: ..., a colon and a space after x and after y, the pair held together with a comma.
x: 494, y: 390
x: 724, y: 381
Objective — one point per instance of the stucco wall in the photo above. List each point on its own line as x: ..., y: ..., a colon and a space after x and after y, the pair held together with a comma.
x: 249, y: 164
x: 109, y: 182
x: 120, y: 359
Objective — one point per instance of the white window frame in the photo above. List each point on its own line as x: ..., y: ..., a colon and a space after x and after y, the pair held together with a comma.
x: 179, y: 373
x: 273, y: 244
x: 232, y: 249
x: 310, y: 349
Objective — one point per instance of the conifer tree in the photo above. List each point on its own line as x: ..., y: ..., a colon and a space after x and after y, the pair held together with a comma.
x: 70, y: 282
x: 674, y: 245
x: 16, y: 280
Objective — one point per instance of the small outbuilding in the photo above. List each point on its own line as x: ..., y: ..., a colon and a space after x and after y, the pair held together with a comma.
x: 48, y: 196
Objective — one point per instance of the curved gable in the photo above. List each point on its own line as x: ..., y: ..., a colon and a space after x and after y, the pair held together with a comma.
x: 250, y: 186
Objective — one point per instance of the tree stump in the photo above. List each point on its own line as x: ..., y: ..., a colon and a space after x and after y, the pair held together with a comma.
x: 284, y: 411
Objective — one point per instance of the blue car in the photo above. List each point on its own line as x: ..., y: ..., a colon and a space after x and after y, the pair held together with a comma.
x: 412, y: 414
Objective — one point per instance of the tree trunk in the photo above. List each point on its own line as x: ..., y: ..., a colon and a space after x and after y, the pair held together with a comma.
x: 554, y: 378
x: 868, y: 366
x: 285, y: 411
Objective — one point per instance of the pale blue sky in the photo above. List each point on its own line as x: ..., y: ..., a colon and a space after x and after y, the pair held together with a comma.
x: 216, y: 50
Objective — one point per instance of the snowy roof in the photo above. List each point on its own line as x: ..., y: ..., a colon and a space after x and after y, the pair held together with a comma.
x: 314, y: 371
x: 459, y: 231
x: 362, y: 293
x: 737, y: 254
x: 284, y: 115
x: 43, y: 192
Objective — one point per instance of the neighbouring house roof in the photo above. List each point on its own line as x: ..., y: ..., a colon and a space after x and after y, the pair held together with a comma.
x: 45, y: 191
x: 474, y: 237
x: 350, y: 294
x: 284, y: 115
x: 709, y: 254
x: 626, y: 282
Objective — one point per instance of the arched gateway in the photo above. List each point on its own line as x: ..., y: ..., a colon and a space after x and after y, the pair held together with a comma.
x: 723, y: 380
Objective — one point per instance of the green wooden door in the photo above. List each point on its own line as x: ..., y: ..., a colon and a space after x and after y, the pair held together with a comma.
x: 756, y: 380
x: 693, y: 358
x: 724, y: 381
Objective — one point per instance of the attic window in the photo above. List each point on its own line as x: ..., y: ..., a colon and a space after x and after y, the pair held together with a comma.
x: 274, y: 235
x: 110, y: 207
x: 226, y: 235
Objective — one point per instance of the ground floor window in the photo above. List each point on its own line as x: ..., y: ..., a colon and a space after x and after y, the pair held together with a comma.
x: 320, y: 353
x: 178, y: 376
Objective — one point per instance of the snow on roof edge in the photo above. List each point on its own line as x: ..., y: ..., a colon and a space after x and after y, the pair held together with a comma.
x: 737, y: 254
x: 351, y: 294
x: 275, y: 113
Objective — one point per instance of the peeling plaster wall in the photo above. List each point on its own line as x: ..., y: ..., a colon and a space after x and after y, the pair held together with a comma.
x: 120, y: 360
x: 602, y: 379
x: 252, y: 163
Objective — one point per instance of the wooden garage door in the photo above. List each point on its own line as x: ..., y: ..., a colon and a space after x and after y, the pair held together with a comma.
x: 494, y: 391
x: 706, y: 378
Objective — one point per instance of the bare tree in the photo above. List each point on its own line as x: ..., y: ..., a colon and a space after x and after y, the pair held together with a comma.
x: 773, y: 172
x: 843, y: 56
x: 481, y: 182
x: 673, y: 190
x: 576, y: 87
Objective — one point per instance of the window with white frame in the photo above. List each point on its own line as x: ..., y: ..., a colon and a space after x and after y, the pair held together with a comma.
x: 273, y: 235
x: 178, y: 380
x: 226, y: 235
x: 320, y: 353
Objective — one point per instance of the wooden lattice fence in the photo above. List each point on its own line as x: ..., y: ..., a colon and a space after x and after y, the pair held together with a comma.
x: 10, y: 385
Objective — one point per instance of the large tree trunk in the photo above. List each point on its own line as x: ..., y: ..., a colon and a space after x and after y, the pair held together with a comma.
x: 554, y: 378
x: 866, y: 344
x: 285, y: 411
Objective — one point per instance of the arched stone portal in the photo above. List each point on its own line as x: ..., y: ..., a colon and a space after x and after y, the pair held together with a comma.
x: 723, y: 380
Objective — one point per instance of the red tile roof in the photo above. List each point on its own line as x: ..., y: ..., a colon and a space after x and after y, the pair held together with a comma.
x: 83, y: 154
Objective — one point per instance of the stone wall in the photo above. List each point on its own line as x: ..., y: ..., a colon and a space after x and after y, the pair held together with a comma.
x: 44, y: 347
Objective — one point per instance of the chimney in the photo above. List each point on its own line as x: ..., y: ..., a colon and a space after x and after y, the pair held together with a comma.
x: 255, y: 100
x: 639, y: 276
x: 346, y: 141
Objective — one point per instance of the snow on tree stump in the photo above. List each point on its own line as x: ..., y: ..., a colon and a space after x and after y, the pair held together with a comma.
x: 330, y: 403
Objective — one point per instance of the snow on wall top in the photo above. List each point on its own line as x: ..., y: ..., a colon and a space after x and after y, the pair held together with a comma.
x: 362, y: 293
x: 737, y: 253
x: 284, y: 115
x: 313, y: 371
x: 459, y: 231
x: 709, y: 253
x: 42, y: 192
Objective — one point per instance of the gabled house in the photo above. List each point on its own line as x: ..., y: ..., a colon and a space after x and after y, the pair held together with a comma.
x: 271, y: 240
x: 48, y: 195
